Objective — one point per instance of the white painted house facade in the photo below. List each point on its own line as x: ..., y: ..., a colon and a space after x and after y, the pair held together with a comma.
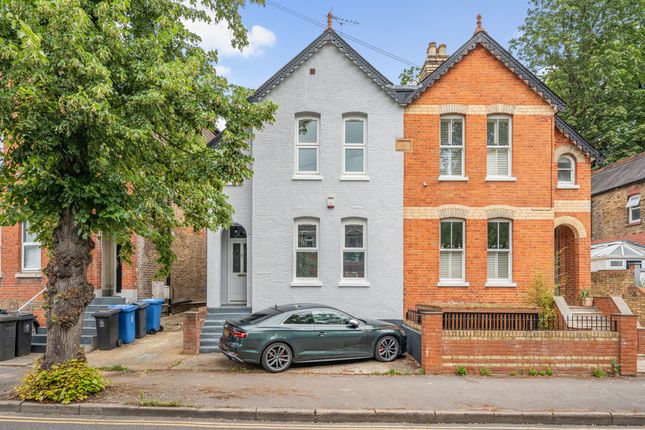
x: 321, y: 220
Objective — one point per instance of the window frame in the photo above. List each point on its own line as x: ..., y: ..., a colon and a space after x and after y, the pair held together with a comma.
x: 631, y: 209
x: 454, y: 281
x: 496, y: 118
x: 298, y: 146
x: 572, y: 181
x: 24, y: 245
x: 501, y: 281
x: 346, y: 146
x: 344, y: 248
x: 462, y: 174
x: 298, y: 222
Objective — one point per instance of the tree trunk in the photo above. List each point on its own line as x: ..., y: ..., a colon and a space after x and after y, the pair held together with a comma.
x: 68, y: 292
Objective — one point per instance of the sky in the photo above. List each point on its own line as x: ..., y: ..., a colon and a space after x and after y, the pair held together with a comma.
x: 401, y: 27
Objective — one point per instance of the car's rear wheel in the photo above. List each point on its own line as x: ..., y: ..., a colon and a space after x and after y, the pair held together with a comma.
x: 387, y: 348
x: 277, y: 357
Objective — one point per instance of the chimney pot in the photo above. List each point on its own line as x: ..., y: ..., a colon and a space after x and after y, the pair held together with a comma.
x: 442, y: 49
x: 432, y: 48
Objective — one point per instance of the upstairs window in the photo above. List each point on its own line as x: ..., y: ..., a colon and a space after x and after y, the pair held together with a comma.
x: 634, y: 209
x: 30, y: 250
x: 451, y: 251
x: 498, y: 146
x: 499, y: 251
x: 306, y: 250
x: 566, y: 170
x: 451, y: 146
x: 354, y: 250
x: 354, y: 144
x: 307, y: 146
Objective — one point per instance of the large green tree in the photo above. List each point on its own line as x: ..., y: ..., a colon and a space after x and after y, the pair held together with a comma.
x: 592, y: 54
x: 102, y: 108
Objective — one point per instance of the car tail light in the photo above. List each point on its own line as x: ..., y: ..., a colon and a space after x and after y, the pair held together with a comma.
x: 238, y: 333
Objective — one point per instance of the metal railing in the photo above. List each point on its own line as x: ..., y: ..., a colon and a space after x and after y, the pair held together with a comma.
x: 30, y: 301
x: 517, y: 321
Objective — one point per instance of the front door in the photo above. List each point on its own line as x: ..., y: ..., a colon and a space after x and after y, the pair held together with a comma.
x: 237, y: 271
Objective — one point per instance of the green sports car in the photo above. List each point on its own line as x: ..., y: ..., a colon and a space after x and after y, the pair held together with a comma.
x: 279, y: 336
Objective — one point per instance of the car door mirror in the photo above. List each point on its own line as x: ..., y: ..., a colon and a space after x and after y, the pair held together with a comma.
x: 353, y: 323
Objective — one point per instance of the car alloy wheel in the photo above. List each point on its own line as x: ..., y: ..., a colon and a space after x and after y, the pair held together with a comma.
x: 387, y: 348
x: 277, y: 357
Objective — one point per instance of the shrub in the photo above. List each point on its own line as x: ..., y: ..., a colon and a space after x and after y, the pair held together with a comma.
x: 598, y: 373
x: 615, y: 367
x: 461, y: 371
x: 548, y: 372
x: 485, y: 371
x: 63, y: 383
x: 533, y: 372
x: 540, y: 295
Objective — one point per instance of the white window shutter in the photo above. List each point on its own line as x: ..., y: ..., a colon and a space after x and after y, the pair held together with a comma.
x: 444, y: 265
x: 503, y: 265
x: 455, y: 265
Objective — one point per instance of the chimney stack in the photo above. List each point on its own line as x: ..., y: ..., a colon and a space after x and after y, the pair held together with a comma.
x: 433, y: 60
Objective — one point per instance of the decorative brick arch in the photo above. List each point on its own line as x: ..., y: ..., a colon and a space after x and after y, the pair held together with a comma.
x: 500, y: 212
x: 452, y: 211
x: 576, y: 226
x: 453, y: 108
x: 569, y: 150
x: 500, y: 109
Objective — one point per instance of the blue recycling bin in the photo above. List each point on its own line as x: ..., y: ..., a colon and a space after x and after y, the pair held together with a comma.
x: 153, y: 315
x: 126, y: 322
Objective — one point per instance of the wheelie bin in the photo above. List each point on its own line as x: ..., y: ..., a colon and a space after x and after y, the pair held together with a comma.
x: 126, y: 322
x: 24, y: 329
x: 140, y: 319
x: 107, y: 328
x: 153, y: 323
x: 7, y: 336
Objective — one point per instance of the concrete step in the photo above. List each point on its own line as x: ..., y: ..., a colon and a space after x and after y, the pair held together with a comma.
x: 41, y: 330
x: 38, y: 338
x: 212, y: 330
x: 89, y: 331
x: 224, y: 317
x: 108, y: 301
x: 38, y: 347
x: 208, y: 349
x: 209, y: 341
x: 229, y: 309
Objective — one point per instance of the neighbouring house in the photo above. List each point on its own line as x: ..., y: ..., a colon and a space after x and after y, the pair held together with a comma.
x: 620, y: 255
x: 497, y: 185
x: 321, y: 220
x: 616, y: 192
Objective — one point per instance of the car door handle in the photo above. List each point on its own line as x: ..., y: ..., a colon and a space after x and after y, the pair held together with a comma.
x: 322, y: 334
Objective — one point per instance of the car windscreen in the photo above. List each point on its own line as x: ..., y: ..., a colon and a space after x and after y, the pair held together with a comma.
x: 259, y: 316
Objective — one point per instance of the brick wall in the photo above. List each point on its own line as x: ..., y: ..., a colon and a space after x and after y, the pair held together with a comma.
x: 563, y: 352
x: 620, y: 283
x: 641, y: 340
x: 481, y: 79
x: 193, y: 323
x: 609, y: 215
x: 188, y: 274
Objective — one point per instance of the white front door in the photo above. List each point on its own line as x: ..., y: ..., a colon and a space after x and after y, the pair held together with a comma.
x: 237, y: 271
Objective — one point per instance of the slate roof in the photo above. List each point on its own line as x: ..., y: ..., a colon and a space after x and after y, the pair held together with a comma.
x: 327, y: 36
x: 616, y: 175
x: 578, y: 140
x: 482, y: 38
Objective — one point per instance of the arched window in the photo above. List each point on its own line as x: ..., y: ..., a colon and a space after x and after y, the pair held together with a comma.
x: 500, y: 244
x: 452, y: 245
x: 566, y: 171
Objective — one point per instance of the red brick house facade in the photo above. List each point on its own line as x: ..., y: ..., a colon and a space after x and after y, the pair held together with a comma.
x: 22, y: 261
x: 497, y: 186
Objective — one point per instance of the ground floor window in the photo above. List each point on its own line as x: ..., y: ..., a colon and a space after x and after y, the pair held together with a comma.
x: 451, y: 250
x: 354, y: 249
x: 306, y: 249
x: 499, y: 250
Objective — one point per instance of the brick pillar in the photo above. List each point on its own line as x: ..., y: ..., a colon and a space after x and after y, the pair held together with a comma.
x: 193, y: 323
x: 431, y: 342
x: 627, y: 328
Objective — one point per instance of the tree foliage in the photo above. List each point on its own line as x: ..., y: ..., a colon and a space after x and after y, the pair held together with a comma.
x: 410, y: 76
x: 102, y: 107
x: 591, y: 53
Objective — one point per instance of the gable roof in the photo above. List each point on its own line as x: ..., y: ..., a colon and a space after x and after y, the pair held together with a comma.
x: 578, y: 140
x: 623, y: 172
x: 482, y: 38
x: 327, y: 36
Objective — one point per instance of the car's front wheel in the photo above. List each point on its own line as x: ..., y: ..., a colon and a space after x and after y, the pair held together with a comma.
x: 277, y: 357
x: 387, y: 348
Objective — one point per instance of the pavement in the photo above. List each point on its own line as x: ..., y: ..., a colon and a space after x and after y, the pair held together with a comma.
x: 152, y: 378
